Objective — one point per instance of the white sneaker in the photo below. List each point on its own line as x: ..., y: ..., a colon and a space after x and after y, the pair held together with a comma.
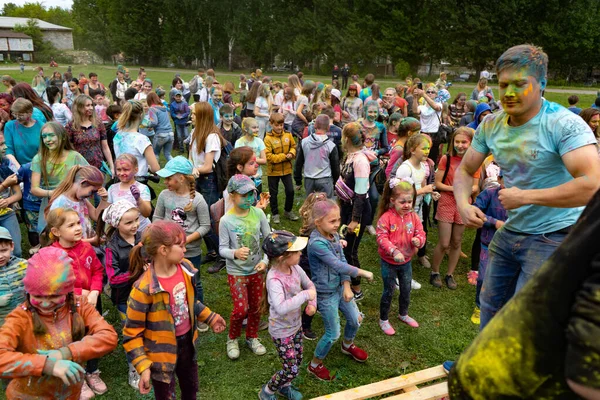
x: 414, y: 285
x: 256, y: 346
x: 233, y: 349
x: 371, y: 230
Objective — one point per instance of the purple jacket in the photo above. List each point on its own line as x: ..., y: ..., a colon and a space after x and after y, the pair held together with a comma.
x: 488, y: 202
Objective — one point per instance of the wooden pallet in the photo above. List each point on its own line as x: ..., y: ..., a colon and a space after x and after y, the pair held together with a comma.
x: 406, y: 384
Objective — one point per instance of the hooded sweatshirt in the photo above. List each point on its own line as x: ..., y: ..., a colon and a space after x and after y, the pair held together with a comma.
x: 319, y: 157
x: 158, y: 118
x: 88, y: 270
x: 180, y: 111
x: 394, y: 234
x: 481, y: 108
x: 277, y: 146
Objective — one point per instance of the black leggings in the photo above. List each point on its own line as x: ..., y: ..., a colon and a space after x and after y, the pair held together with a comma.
x: 288, y: 185
x: 425, y: 208
x: 351, y: 250
x: 476, y: 251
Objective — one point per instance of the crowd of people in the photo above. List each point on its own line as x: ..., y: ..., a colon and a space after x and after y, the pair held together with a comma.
x: 77, y: 158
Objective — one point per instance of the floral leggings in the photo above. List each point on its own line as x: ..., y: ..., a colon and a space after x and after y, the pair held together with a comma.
x: 290, y: 351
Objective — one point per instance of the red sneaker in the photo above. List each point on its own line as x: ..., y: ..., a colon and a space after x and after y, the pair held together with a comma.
x: 320, y: 372
x: 356, y: 352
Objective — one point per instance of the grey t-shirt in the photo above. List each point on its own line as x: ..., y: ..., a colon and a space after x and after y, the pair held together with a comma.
x: 171, y: 207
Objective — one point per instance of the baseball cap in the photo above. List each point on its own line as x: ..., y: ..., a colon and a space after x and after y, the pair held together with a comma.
x: 278, y: 242
x: 177, y: 165
x: 336, y: 93
x: 176, y: 92
x: 5, y: 234
x: 240, y: 184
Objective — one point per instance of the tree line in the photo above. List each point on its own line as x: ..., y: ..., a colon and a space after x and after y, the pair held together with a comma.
x: 315, y: 34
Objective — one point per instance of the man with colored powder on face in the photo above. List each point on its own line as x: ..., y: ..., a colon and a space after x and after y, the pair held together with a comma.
x: 550, y: 166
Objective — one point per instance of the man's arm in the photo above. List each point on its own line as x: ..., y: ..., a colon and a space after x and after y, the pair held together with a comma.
x: 463, y: 188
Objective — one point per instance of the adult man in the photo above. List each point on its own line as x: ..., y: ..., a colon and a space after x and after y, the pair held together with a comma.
x: 389, y: 102
x: 335, y: 74
x: 197, y: 84
x: 550, y: 166
x: 345, y: 73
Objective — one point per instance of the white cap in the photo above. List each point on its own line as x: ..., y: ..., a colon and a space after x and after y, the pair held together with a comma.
x: 336, y: 93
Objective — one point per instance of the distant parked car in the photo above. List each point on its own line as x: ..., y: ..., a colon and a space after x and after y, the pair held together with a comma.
x: 463, y: 78
x: 493, y: 77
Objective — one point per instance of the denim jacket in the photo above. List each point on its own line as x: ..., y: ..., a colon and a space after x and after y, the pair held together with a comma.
x: 328, y: 266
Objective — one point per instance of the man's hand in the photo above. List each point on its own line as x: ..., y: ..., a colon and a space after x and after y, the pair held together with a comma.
x: 511, y: 198
x: 472, y: 217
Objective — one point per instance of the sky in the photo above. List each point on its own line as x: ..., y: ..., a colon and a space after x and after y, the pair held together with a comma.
x: 48, y: 3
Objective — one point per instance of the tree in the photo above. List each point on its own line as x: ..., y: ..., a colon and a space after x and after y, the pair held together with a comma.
x: 43, y: 49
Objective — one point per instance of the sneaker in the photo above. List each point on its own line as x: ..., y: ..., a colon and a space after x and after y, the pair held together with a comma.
x: 308, y: 334
x: 435, y: 280
x: 291, y: 215
x: 463, y: 255
x: 447, y: 365
x: 472, y: 277
x: 263, y: 395
x: 256, y: 346
x: 86, y: 392
x: 475, y: 318
x: 355, y: 352
x: 414, y: 285
x: 358, y: 296
x: 202, y: 327
x: 387, y: 328
x: 371, y: 230
x: 263, y: 325
x: 450, y: 282
x: 34, y: 250
x: 96, y: 383
x: 409, y: 321
x: 290, y: 392
x: 276, y: 219
x: 244, y: 322
x: 134, y: 379
x: 424, y: 261
x: 210, y: 257
x: 233, y: 349
x: 320, y: 372
x: 216, y: 267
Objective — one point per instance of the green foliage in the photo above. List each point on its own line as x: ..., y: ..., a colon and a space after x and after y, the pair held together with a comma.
x: 43, y: 49
x: 402, y: 69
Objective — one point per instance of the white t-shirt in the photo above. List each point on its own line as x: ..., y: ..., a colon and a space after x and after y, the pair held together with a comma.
x: 278, y: 98
x: 212, y: 144
x: 407, y: 170
x: 430, y: 119
x: 135, y: 144
x: 140, y: 96
x: 289, y: 112
x: 261, y: 105
x: 302, y: 100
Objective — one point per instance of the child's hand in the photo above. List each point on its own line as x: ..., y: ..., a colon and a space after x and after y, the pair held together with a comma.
x: 103, y: 194
x: 499, y: 224
x: 399, y: 257
x: 435, y: 196
x: 312, y: 293
x: 264, y: 201
x: 344, y: 243
x: 11, y: 181
x: 5, y: 299
x: 145, y: 384
x: 261, y: 266
x: 242, y: 253
x: 135, y: 192
x: 310, y: 310
x: 3, y: 203
x: 368, y: 275
x: 415, y: 242
x: 68, y: 371
x: 92, y: 298
x: 85, y: 293
x: 348, y: 294
x: 218, y: 324
x: 289, y: 156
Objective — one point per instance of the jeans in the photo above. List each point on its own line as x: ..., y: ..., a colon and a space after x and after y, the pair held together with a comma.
x: 274, y: 191
x: 513, y: 260
x: 186, y: 369
x: 182, y: 133
x: 163, y: 141
x: 329, y: 305
x: 10, y: 222
x: 351, y: 250
x: 484, y: 256
x: 206, y: 185
x: 389, y: 273
x: 199, y: 289
x: 373, y: 199
x: 319, y: 185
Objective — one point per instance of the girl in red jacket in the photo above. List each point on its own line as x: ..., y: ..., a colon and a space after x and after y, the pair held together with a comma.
x: 399, y: 235
x: 65, y: 231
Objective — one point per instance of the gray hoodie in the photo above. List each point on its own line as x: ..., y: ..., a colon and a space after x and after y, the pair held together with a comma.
x: 318, y: 157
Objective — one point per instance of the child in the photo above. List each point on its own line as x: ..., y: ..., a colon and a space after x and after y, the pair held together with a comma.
x: 287, y: 288
x: 407, y: 127
x: 10, y: 193
x: 331, y: 276
x: 399, y: 234
x: 280, y: 149
x: 250, y: 139
x: 65, y: 232
x: 240, y: 232
x: 160, y: 123
x: 488, y: 201
x: 262, y: 107
x: 113, y: 112
x: 100, y: 106
x: 130, y: 189
x: 12, y: 271
x: 31, y: 208
x: 229, y: 129
x: 62, y: 113
x: 80, y: 184
x: 44, y: 341
x: 243, y: 161
x: 319, y: 158
x: 451, y: 226
x: 180, y: 112
x: 162, y: 305
x: 180, y: 203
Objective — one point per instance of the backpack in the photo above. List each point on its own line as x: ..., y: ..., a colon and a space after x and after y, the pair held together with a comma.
x: 194, y: 85
x: 220, y: 167
x: 217, y: 210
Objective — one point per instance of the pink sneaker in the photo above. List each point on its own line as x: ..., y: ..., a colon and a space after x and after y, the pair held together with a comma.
x: 96, y: 383
x: 86, y: 392
x: 409, y: 321
x: 472, y: 277
x: 387, y: 328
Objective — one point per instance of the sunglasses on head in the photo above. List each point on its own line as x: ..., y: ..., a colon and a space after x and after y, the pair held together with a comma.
x: 430, y: 92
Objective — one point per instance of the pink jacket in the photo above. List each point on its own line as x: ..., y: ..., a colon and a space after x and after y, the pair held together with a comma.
x: 88, y: 269
x: 394, y: 234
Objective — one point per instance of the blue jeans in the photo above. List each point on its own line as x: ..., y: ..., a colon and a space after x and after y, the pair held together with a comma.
x: 206, y: 185
x: 484, y: 256
x: 389, y: 273
x: 329, y: 305
x: 197, y: 262
x: 513, y: 259
x: 163, y: 142
x: 182, y: 133
x: 10, y: 222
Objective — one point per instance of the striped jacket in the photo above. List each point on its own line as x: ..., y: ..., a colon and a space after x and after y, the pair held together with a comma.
x: 149, y: 332
x: 11, y: 281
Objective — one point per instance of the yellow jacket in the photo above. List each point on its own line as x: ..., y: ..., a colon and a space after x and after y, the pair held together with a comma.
x: 277, y: 146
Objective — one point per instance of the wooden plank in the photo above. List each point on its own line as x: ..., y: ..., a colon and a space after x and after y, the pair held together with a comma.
x: 410, y: 389
x: 433, y: 392
x: 387, y: 386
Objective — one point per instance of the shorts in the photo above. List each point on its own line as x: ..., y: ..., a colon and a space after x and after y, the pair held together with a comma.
x: 447, y: 211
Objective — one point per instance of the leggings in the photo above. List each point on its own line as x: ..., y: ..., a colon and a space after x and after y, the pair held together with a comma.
x: 476, y: 251
x: 290, y: 351
x: 351, y: 250
x: 425, y: 209
x: 246, y: 292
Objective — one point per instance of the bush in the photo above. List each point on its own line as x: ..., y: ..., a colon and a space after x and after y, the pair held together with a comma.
x: 402, y: 69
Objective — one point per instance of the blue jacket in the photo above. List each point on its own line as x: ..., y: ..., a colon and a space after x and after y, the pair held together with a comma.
x: 328, y: 266
x: 182, y: 109
x: 216, y: 113
x: 489, y: 203
x: 481, y: 108
x: 158, y: 117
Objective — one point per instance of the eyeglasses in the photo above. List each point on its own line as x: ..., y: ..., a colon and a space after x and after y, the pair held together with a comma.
x: 430, y: 92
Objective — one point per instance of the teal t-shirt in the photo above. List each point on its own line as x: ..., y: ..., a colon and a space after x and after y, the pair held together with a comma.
x: 530, y: 158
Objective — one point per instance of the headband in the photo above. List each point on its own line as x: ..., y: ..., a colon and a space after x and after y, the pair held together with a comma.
x: 396, y: 181
x: 113, y: 213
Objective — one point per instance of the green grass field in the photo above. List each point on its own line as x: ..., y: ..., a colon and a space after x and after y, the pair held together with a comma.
x: 444, y: 316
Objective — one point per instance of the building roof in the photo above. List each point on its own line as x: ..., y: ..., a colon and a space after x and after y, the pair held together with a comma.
x: 10, y: 22
x: 11, y: 34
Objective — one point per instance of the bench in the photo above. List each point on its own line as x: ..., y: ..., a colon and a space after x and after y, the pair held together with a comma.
x: 405, y: 385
